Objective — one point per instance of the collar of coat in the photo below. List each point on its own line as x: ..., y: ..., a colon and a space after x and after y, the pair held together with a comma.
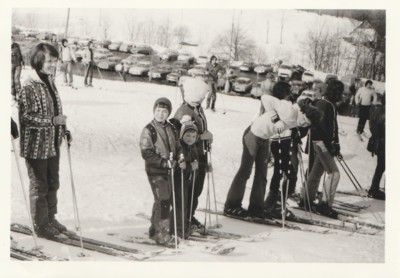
x: 33, y: 77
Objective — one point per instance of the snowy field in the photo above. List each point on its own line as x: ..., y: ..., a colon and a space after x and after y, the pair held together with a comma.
x: 112, y: 187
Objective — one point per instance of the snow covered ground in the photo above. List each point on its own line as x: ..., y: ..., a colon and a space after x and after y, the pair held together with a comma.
x: 112, y: 187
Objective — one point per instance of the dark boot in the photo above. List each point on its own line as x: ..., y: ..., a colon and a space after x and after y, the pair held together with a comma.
x: 47, y: 231
x: 325, y: 210
x: 271, y: 201
x: 60, y: 227
x: 376, y: 194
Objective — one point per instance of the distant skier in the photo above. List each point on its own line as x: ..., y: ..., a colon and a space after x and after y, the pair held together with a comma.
x: 212, y: 69
x: 377, y: 123
x: 157, y: 141
x: 88, y: 61
x: 17, y: 62
x: 280, y: 115
x: 42, y: 127
x: 365, y: 97
x: 194, y: 91
x: 67, y: 57
x: 325, y: 147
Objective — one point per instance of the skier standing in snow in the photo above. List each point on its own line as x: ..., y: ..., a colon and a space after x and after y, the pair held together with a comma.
x: 377, y: 126
x: 157, y: 141
x: 88, y: 61
x: 325, y: 147
x: 212, y: 69
x: 365, y: 97
x: 187, y: 138
x: 67, y: 57
x: 279, y: 116
x: 17, y: 62
x: 42, y: 126
x: 195, y: 91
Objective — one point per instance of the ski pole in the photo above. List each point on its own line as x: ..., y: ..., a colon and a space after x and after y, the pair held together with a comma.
x: 215, y: 196
x: 101, y: 76
x: 351, y: 172
x: 223, y: 103
x: 75, y: 204
x: 183, y: 199
x: 171, y: 157
x: 303, y: 182
x: 191, y: 199
x: 23, y: 193
x: 350, y: 178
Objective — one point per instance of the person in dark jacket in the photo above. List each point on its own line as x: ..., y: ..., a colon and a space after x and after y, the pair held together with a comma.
x: 160, y: 150
x: 325, y: 146
x: 17, y: 62
x: 188, y: 164
x: 377, y: 127
x: 195, y: 91
x: 42, y: 127
x: 88, y: 61
x: 212, y: 69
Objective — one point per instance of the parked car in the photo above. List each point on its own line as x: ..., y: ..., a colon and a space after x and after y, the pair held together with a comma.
x: 263, y: 68
x: 126, y: 46
x: 102, y: 43
x: 223, y: 78
x: 247, y: 67
x: 187, y: 57
x: 142, y: 49
x: 169, y: 55
x: 141, y: 68
x: 236, y: 64
x: 160, y: 71
x: 99, y: 58
x: 307, y: 76
x: 114, y: 46
x: 311, y: 94
x: 285, y: 71
x: 176, y: 74
x: 182, y: 64
x: 202, y: 60
x: 128, y: 62
x: 256, y: 91
x: 109, y: 63
x: 102, y: 51
x: 242, y: 85
x: 198, y: 70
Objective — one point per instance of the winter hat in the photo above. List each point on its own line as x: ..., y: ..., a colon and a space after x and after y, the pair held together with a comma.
x: 281, y: 90
x: 188, y: 126
x: 195, y: 90
x: 163, y: 102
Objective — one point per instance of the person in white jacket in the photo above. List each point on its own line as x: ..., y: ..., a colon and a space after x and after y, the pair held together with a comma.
x: 88, y: 61
x: 279, y: 115
x: 67, y: 57
x: 365, y: 97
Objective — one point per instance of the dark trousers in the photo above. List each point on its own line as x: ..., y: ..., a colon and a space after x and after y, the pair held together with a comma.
x: 15, y: 79
x: 255, y: 150
x: 363, y: 115
x: 282, y: 153
x: 212, y: 95
x: 89, y: 74
x: 181, y: 198
x: 161, y: 187
x: 43, y: 187
x: 198, y: 183
x: 379, y: 170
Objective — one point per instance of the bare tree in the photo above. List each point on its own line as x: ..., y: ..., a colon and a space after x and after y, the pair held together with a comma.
x: 235, y: 43
x: 181, y: 33
x: 31, y: 20
x: 133, y: 27
x: 149, y: 32
x: 164, y: 34
x: 282, y: 24
x: 105, y: 25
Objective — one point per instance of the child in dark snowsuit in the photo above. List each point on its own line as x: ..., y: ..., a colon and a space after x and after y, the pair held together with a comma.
x: 160, y: 150
x: 188, y: 164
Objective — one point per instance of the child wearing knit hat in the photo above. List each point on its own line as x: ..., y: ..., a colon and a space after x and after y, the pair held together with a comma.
x: 189, y: 165
x: 160, y: 150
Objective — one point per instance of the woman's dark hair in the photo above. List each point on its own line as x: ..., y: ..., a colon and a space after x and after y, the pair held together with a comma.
x: 38, y: 54
x: 281, y: 90
x: 63, y: 41
x: 213, y: 57
x: 368, y: 82
x: 15, y: 45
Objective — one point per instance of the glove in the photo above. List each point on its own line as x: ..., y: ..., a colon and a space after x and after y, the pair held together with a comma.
x: 14, y: 129
x: 280, y: 126
x: 182, y: 162
x: 335, y: 149
x: 195, y: 165
x: 209, y: 168
x: 172, y: 164
x: 68, y: 136
x: 59, y: 120
x: 207, y: 136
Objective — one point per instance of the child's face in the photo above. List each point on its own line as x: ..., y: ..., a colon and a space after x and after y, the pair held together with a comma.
x: 49, y: 65
x: 161, y: 114
x: 189, y: 137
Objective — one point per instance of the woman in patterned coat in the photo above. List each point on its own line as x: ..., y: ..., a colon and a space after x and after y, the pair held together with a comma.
x: 42, y: 127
